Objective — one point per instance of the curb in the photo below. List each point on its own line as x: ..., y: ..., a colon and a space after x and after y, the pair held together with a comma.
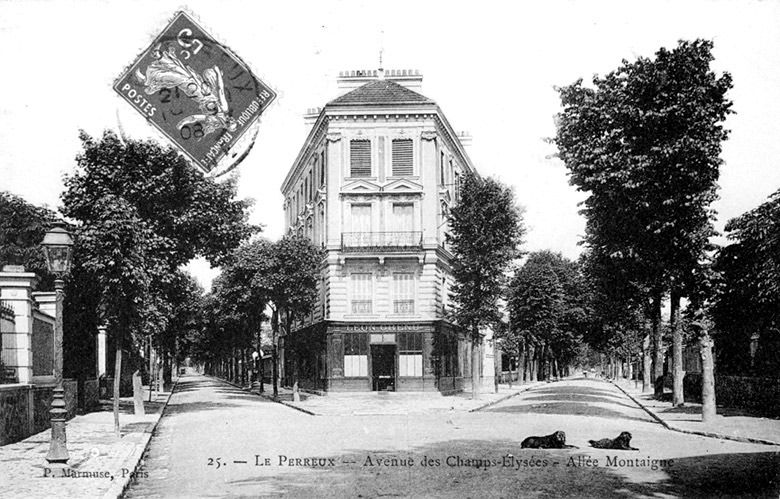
x: 136, y: 456
x: 505, y: 397
x: 721, y: 436
x: 267, y: 397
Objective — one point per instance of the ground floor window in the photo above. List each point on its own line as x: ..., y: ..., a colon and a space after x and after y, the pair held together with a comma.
x: 410, y: 354
x: 356, y: 355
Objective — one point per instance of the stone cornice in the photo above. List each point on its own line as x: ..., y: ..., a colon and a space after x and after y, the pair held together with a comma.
x: 313, y: 140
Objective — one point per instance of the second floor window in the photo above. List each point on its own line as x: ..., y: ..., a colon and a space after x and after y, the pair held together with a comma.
x: 360, y: 158
x: 362, y: 293
x: 402, y: 157
x: 403, y: 217
x: 403, y: 293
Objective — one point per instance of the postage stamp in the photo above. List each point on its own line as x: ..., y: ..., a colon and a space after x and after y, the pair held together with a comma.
x: 195, y: 91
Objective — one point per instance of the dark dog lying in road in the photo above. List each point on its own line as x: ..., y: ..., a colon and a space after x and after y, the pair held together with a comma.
x: 556, y: 440
x: 622, y: 442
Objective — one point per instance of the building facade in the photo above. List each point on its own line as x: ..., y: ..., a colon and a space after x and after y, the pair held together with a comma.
x: 373, y: 185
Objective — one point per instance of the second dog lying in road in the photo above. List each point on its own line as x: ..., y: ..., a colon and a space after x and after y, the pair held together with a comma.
x: 555, y: 440
x: 622, y: 442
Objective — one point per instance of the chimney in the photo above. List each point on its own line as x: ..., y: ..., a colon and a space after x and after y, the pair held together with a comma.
x: 311, y: 115
x: 465, y: 139
x: 352, y: 79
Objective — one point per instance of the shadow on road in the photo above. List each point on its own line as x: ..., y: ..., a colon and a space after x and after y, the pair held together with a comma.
x: 577, y: 397
x: 579, y: 400
x: 567, y: 409
x: 484, y: 468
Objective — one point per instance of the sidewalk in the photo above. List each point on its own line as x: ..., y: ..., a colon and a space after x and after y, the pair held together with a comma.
x: 94, y: 450
x: 385, y: 403
x: 730, y: 424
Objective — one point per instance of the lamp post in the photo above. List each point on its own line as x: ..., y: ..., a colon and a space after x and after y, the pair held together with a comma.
x: 57, y: 244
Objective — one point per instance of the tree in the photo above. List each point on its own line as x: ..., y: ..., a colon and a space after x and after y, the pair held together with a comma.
x: 144, y: 212
x: 115, y: 250
x: 242, y: 292
x: 22, y: 227
x: 282, y: 275
x: 645, y: 144
x: 292, y: 287
x: 486, y: 232
x: 617, y: 310
x: 547, y: 311
x: 747, y: 304
x: 535, y: 309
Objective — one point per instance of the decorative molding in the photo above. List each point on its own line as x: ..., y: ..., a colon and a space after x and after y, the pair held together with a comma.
x: 428, y: 135
x: 333, y: 136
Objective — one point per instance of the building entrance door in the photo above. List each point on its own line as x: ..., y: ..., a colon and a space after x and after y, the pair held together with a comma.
x: 383, y: 367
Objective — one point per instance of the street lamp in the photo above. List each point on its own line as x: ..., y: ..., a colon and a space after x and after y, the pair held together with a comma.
x: 57, y: 244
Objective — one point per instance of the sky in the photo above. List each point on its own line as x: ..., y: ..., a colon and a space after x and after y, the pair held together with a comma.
x: 491, y: 66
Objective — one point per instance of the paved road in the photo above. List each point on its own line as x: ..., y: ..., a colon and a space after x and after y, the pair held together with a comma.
x: 211, y: 428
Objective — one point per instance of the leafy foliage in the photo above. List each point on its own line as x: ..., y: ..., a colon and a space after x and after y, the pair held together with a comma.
x: 22, y: 227
x: 644, y: 143
x: 547, y: 303
x: 144, y: 212
x: 487, y: 230
x: 748, y: 298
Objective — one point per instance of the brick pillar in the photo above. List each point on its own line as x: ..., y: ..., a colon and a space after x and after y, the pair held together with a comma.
x: 16, y: 290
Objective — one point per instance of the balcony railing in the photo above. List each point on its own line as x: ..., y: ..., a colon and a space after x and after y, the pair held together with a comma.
x: 381, y: 241
x: 403, y: 306
x: 361, y: 306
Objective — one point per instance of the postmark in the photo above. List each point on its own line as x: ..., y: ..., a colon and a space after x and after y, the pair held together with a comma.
x: 195, y: 91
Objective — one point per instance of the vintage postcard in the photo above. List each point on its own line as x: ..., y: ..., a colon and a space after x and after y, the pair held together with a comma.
x: 409, y: 249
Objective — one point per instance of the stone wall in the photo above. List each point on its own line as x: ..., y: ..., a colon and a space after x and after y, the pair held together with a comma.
x: 24, y: 409
x: 90, y: 394
x: 15, y: 413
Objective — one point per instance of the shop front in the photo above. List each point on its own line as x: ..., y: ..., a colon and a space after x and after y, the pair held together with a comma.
x: 378, y: 357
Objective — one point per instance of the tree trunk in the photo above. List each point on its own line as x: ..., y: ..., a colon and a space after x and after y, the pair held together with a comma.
x: 658, y: 352
x: 647, y: 363
x: 275, y: 351
x: 708, y: 408
x: 117, y: 378
x: 474, y: 366
x: 532, y: 361
x: 261, y: 370
x: 509, y: 367
x: 497, y: 366
x: 521, y: 365
x: 678, y: 396
x: 150, y: 360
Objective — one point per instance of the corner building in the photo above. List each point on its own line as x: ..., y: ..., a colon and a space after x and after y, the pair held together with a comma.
x: 373, y: 185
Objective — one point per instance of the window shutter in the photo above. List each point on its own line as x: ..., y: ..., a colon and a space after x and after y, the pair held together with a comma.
x: 402, y: 157
x: 360, y: 158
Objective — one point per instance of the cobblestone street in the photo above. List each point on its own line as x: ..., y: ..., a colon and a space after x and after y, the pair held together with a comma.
x: 93, y: 448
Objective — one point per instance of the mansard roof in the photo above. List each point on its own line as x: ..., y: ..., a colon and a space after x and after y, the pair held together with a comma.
x: 380, y: 92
